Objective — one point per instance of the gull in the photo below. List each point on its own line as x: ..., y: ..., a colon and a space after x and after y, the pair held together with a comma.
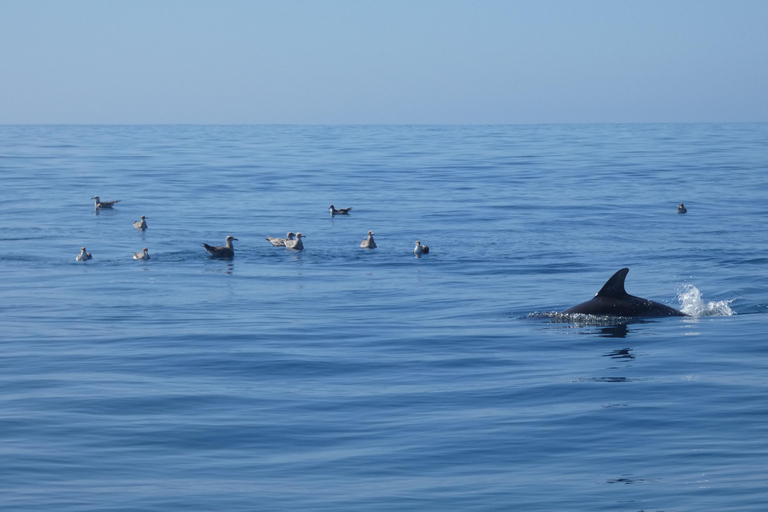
x: 296, y: 245
x: 420, y: 249
x: 368, y: 243
x: 339, y: 211
x: 103, y: 204
x: 83, y: 256
x: 226, y: 251
x: 681, y: 208
x: 141, y: 224
x: 141, y: 255
x: 280, y: 242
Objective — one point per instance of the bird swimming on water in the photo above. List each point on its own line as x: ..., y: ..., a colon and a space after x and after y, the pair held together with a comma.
x: 368, y: 243
x: 280, y: 242
x: 296, y: 245
x: 225, y: 251
x: 339, y: 211
x: 83, y: 256
x: 103, y: 204
x: 681, y: 208
x: 420, y: 249
x: 144, y: 255
x: 141, y: 224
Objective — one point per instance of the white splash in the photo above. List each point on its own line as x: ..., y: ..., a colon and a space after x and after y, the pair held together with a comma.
x: 691, y: 303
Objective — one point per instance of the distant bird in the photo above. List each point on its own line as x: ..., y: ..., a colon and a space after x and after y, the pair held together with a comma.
x: 141, y: 255
x: 83, y: 256
x: 296, y: 245
x: 681, y: 208
x: 420, y: 249
x: 103, y: 204
x: 280, y: 242
x: 141, y: 224
x: 368, y: 243
x: 226, y: 251
x: 339, y: 211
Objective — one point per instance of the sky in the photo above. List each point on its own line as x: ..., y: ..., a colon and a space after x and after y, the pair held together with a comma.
x: 382, y: 61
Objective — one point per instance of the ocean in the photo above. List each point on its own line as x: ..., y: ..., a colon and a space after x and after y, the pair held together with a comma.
x: 339, y: 378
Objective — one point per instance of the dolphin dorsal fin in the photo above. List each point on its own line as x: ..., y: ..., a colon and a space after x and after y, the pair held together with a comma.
x: 614, y: 287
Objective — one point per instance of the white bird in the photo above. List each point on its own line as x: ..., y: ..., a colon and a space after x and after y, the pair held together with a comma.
x: 296, y: 245
x: 226, y: 251
x: 83, y: 256
x: 368, y: 243
x: 103, y: 204
x: 420, y: 249
x: 141, y: 224
x: 280, y: 242
x: 144, y: 255
x: 339, y: 211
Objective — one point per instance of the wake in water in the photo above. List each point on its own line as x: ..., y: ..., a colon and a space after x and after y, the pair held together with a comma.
x: 580, y: 319
x: 692, y: 304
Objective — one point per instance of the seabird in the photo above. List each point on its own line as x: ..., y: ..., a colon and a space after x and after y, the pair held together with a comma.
x: 226, y: 251
x: 368, y: 243
x: 280, y: 242
x: 103, y: 204
x: 141, y: 255
x: 83, y: 256
x: 141, y: 224
x: 681, y: 208
x: 296, y: 245
x: 339, y: 211
x: 420, y: 249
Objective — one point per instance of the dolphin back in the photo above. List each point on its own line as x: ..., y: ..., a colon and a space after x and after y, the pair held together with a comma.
x: 613, y: 300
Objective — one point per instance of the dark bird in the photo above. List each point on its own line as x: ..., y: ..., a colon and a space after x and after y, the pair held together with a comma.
x: 103, y: 204
x: 339, y: 211
x: 226, y: 251
x: 681, y: 208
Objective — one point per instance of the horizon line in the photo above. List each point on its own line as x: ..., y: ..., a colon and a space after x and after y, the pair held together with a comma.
x: 394, y: 124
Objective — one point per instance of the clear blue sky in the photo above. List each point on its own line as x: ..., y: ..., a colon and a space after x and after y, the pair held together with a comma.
x: 383, y: 61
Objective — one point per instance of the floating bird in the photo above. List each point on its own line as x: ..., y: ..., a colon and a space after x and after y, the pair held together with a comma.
x: 420, y: 249
x: 141, y: 255
x: 280, y: 242
x: 681, y: 208
x: 103, y: 204
x: 226, y: 251
x: 141, y: 224
x: 339, y: 211
x: 296, y: 245
x: 368, y: 243
x: 83, y: 256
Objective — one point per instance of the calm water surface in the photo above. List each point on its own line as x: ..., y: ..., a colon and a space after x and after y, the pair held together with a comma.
x: 344, y: 379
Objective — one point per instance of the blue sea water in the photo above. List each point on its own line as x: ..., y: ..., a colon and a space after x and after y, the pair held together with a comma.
x: 344, y: 379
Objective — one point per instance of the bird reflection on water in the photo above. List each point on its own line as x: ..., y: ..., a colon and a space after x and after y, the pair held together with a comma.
x: 227, y: 269
x: 621, y: 353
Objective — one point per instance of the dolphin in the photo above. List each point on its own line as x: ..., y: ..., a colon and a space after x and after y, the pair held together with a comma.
x: 613, y: 300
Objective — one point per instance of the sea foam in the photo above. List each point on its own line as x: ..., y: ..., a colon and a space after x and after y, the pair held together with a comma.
x: 692, y: 304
